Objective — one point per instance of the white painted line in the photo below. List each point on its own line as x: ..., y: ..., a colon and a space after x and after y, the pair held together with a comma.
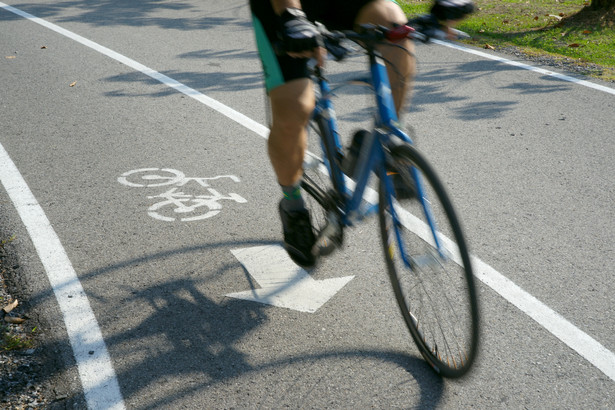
x: 560, y: 327
x: 575, y: 338
x: 527, y: 67
x: 98, y: 378
x: 581, y: 342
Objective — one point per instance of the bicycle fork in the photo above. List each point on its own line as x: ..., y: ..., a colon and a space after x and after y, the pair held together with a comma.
x: 437, y: 254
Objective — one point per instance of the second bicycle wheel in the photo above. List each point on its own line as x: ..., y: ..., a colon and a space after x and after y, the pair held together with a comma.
x: 434, y: 286
x: 319, y: 188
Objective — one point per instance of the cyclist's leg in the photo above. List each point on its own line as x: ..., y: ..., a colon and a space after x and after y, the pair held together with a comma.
x: 291, y: 106
x: 346, y: 15
x: 290, y: 93
x: 291, y: 96
x: 401, y: 67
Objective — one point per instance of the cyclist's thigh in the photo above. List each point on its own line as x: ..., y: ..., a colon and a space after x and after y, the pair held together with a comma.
x: 335, y: 14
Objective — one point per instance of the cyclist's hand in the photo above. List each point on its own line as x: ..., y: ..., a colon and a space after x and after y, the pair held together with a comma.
x: 300, y: 37
x: 443, y: 17
x: 449, y: 11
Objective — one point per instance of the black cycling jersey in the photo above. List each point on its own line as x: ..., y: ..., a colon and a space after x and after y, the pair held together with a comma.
x: 279, y: 69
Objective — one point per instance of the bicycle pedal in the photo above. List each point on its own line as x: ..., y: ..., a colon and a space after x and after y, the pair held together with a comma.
x: 330, y: 238
x: 326, y: 247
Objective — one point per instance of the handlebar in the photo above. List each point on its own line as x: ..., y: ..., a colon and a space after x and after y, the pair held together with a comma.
x: 423, y: 28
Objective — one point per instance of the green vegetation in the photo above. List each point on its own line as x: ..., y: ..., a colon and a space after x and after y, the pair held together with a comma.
x: 11, y: 341
x: 11, y: 337
x: 5, y: 241
x: 557, y: 28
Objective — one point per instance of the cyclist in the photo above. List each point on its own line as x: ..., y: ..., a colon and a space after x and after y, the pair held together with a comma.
x: 291, y: 92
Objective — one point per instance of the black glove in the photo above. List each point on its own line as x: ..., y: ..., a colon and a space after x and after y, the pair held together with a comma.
x: 428, y: 25
x: 452, y: 9
x: 297, y: 32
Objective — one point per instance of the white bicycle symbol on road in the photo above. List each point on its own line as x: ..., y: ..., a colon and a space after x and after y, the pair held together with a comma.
x: 189, y: 207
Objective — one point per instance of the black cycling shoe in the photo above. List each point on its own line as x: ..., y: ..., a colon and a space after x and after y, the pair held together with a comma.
x: 299, y: 237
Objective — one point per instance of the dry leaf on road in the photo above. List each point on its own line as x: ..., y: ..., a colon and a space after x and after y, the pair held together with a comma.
x: 10, y: 306
x: 14, y: 320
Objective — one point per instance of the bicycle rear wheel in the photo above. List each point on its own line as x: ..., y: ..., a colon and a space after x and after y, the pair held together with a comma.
x: 320, y: 199
x: 434, y: 288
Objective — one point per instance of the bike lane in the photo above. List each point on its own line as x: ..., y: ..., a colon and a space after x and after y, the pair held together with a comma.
x: 163, y: 286
x: 158, y: 290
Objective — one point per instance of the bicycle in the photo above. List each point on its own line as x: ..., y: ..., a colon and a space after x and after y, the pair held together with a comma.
x: 431, y: 274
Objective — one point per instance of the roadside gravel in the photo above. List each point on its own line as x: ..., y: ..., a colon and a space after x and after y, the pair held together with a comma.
x: 32, y: 365
x: 565, y: 65
x: 20, y: 361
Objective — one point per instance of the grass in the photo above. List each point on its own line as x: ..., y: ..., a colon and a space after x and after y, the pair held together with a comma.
x: 5, y: 241
x: 559, y: 29
x: 11, y: 342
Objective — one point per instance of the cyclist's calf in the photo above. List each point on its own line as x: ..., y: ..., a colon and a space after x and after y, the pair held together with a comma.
x: 291, y: 106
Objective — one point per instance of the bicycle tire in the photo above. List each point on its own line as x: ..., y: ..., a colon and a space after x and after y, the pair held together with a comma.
x: 320, y: 190
x: 436, y: 294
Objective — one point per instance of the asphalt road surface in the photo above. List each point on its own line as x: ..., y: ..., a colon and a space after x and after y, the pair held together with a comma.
x: 135, y: 293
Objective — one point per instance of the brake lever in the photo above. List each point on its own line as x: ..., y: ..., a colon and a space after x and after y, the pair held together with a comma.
x: 450, y: 34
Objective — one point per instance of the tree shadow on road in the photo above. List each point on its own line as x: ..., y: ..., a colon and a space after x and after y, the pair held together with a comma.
x: 140, y: 13
x: 437, y: 85
x: 212, y: 78
x: 445, y: 83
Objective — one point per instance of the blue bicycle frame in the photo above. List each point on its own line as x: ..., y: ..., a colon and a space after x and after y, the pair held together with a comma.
x: 372, y: 155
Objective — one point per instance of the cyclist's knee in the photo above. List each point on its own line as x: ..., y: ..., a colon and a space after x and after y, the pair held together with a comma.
x: 381, y: 12
x: 388, y: 13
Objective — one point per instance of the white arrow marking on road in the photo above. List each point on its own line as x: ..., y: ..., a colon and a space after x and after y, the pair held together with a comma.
x: 284, y: 284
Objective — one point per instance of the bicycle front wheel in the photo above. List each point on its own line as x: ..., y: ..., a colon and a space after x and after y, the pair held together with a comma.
x: 429, y: 267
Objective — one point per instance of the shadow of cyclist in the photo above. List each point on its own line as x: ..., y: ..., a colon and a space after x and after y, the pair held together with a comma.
x: 171, y: 342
